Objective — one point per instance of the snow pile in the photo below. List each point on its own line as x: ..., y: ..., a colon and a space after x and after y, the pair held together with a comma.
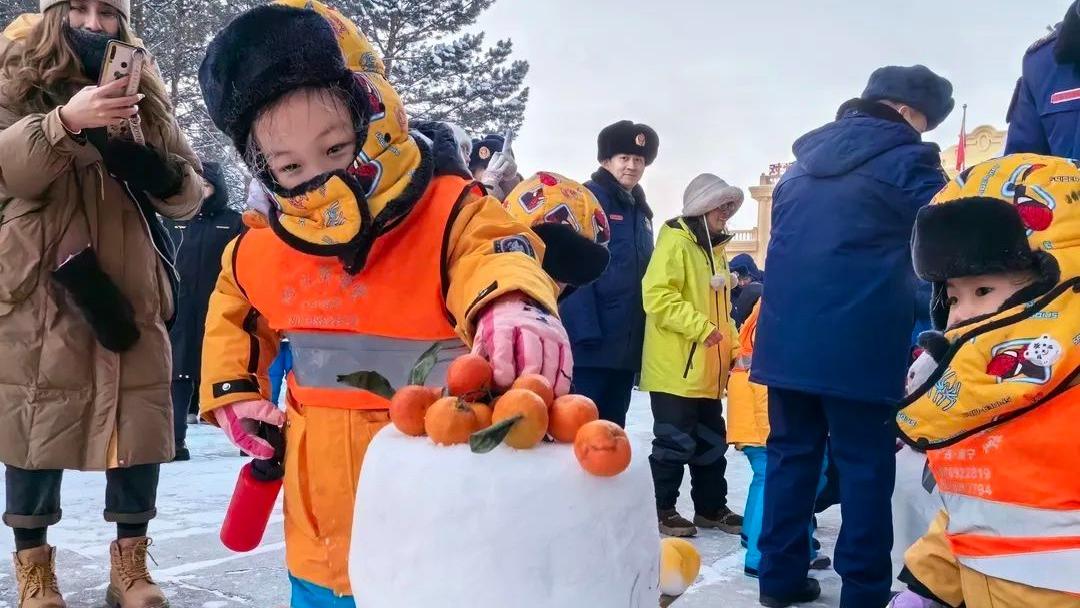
x: 441, y: 526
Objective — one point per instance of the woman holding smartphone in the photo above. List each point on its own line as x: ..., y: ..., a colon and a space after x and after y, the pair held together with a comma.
x: 87, y: 287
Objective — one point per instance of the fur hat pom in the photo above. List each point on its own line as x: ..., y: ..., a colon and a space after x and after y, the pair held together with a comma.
x: 625, y: 137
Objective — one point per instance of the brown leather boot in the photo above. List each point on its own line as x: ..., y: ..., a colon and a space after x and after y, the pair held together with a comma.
x: 35, y: 573
x: 130, y: 585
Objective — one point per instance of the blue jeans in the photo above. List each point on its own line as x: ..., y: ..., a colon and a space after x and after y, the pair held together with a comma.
x: 755, y: 504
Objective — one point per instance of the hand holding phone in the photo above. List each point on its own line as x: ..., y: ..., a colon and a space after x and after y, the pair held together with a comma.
x: 124, y: 62
x: 101, y: 106
x: 502, y: 165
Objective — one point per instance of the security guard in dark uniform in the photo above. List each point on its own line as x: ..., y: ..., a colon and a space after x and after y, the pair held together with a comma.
x: 1044, y: 117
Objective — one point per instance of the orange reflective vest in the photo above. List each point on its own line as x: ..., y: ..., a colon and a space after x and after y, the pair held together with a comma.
x: 1013, y: 497
x: 382, y: 319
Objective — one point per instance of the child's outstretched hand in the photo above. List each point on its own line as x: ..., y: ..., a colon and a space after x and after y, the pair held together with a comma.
x: 240, y: 422
x: 519, y: 338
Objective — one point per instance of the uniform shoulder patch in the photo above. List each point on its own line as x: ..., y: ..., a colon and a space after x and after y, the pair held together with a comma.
x: 515, y: 244
x: 1045, y: 40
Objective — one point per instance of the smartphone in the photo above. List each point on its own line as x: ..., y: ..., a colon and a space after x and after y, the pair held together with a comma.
x: 122, y: 59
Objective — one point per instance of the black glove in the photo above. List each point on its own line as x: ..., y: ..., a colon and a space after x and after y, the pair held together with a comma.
x: 109, y: 313
x: 142, y: 168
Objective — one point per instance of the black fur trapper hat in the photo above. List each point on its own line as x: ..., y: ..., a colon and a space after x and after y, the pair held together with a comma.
x: 264, y: 53
x: 484, y: 149
x: 976, y: 236
x: 969, y: 237
x: 625, y: 137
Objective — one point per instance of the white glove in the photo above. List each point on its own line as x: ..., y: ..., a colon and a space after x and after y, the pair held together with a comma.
x: 501, y: 167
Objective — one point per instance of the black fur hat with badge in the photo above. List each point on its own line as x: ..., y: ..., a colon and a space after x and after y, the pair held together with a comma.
x: 484, y: 149
x: 265, y: 53
x: 625, y: 137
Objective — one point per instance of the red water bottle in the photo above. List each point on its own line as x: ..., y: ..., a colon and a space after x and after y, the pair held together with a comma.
x: 253, y: 500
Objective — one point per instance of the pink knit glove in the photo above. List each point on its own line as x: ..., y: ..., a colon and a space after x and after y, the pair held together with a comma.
x: 910, y: 599
x: 519, y: 338
x: 240, y: 421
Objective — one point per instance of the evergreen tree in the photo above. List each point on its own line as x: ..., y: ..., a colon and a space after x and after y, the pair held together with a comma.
x: 177, y: 32
x: 9, y: 9
x: 440, y: 73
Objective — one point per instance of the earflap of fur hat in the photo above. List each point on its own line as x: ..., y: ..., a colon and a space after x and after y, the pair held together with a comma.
x: 569, y: 257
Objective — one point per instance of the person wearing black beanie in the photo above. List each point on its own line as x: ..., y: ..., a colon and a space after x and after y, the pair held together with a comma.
x: 845, y: 208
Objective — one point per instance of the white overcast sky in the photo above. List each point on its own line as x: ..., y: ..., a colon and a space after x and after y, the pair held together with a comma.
x: 730, y: 84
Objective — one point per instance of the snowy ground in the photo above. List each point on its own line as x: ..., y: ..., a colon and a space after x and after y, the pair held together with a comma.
x: 196, y: 571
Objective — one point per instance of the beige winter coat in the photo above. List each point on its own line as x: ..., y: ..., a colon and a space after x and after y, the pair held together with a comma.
x: 65, y: 401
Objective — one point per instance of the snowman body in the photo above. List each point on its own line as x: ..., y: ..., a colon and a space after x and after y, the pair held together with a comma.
x: 441, y: 526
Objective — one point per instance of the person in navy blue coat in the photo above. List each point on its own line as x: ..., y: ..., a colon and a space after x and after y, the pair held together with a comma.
x: 199, y: 244
x: 606, y: 319
x: 1044, y: 116
x: 835, y: 324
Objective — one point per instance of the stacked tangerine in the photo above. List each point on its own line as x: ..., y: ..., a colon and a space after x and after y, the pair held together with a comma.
x: 521, y: 417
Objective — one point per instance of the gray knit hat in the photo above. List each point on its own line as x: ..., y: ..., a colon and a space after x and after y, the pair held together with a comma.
x: 124, y: 6
x: 707, y: 192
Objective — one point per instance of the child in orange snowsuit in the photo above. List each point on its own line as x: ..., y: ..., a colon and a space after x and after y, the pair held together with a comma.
x: 378, y: 245
x: 997, y: 402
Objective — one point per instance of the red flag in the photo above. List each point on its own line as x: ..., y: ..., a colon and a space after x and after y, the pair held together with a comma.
x: 961, y: 148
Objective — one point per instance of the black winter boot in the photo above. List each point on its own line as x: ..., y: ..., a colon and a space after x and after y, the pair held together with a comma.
x: 811, y: 591
x: 724, y: 520
x: 673, y: 524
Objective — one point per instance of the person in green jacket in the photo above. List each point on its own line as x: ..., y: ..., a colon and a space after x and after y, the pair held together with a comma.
x: 690, y: 342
